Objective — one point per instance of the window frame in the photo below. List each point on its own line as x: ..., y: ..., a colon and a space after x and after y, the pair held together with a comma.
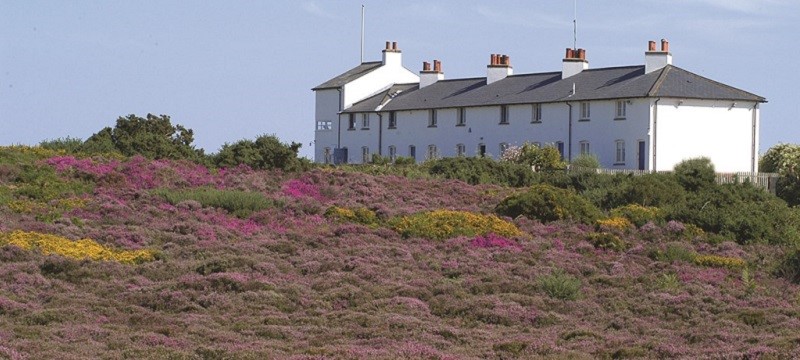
x: 461, y: 117
x: 365, y: 121
x: 392, y: 153
x: 327, y: 155
x: 619, y: 152
x: 412, y: 152
x: 324, y: 125
x: 620, y: 105
x: 585, y: 147
x: 433, y: 152
x: 536, y: 113
x: 504, y: 115
x: 351, y: 121
x: 586, y: 111
x: 461, y: 150
x: 392, y: 120
x: 365, y: 154
x: 503, y: 146
x: 432, y: 120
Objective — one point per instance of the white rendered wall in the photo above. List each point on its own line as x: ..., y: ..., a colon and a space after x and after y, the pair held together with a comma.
x: 603, y: 129
x: 327, y: 108
x: 693, y: 128
x: 376, y: 80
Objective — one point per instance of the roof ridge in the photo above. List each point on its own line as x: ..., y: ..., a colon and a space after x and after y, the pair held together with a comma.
x: 659, y: 81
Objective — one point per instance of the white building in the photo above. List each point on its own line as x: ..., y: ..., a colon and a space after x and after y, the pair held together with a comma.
x: 649, y: 116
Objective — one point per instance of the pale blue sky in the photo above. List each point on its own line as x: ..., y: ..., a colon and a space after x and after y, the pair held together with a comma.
x: 237, y: 69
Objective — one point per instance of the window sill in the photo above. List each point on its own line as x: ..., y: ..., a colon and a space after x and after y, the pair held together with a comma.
x: 584, y: 120
x: 619, y: 164
x: 536, y: 122
x: 619, y: 118
x: 503, y: 123
x: 392, y: 127
x: 364, y: 128
x: 431, y: 126
x: 461, y: 125
x: 351, y: 129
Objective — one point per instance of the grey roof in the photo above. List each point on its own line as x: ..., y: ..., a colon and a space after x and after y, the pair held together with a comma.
x: 594, y: 84
x: 349, y: 75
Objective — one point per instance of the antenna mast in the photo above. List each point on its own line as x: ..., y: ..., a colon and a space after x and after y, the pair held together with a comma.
x: 575, y: 26
x: 362, y: 33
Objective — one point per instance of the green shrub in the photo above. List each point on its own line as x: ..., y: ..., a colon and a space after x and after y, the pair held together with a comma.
x: 68, y: 145
x: 658, y: 190
x: 608, y: 241
x: 540, y: 158
x: 481, y: 170
x: 266, y: 152
x: 586, y: 161
x: 694, y: 174
x: 789, y: 267
x: 560, y: 285
x: 674, y: 252
x: 742, y: 212
x: 785, y: 160
x: 720, y: 261
x: 444, y: 224
x: 548, y: 203
x: 238, y: 203
x: 639, y: 215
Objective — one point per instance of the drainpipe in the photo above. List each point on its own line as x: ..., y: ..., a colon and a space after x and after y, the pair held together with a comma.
x: 753, y: 149
x: 380, y: 134
x: 339, y: 128
x: 655, y: 131
x: 569, y: 134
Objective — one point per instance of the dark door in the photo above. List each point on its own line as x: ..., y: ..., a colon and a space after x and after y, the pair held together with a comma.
x: 340, y: 156
x: 482, y: 150
x: 642, y: 155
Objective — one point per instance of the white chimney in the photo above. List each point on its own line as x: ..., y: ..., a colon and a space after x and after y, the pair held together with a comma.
x: 499, y: 68
x: 392, y: 56
x: 574, y: 62
x: 656, y: 60
x: 428, y: 76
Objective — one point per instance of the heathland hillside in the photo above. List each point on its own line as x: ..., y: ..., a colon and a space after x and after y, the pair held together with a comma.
x: 126, y: 257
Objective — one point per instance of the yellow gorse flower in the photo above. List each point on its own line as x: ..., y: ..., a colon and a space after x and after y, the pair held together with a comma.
x: 442, y: 224
x: 79, y: 249
x: 720, y: 261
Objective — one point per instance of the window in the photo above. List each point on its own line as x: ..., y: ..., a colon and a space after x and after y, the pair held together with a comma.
x: 620, y: 158
x: 392, y: 153
x: 560, y: 147
x: 536, y: 113
x: 365, y: 121
x: 462, y: 117
x: 585, y: 111
x: 584, y: 148
x: 621, y: 109
x: 392, y: 120
x: 461, y: 150
x: 481, y: 150
x: 433, y: 153
x: 351, y: 123
x: 326, y: 155
x: 364, y: 154
x: 412, y: 151
x: 432, y: 118
x: 324, y: 125
x: 504, y: 114
x: 503, y: 148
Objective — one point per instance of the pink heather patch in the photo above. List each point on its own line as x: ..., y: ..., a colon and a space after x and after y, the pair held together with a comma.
x: 88, y: 166
x: 299, y: 189
x: 494, y: 241
x: 245, y: 227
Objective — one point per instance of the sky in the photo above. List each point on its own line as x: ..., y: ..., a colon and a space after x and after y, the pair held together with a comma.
x: 237, y: 69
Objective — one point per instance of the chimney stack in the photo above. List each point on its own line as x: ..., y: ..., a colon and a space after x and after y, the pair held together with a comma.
x: 499, y: 68
x: 428, y: 76
x: 392, y: 56
x: 574, y: 63
x: 657, y: 60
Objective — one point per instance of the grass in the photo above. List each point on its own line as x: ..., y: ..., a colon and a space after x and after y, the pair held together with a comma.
x: 239, y: 203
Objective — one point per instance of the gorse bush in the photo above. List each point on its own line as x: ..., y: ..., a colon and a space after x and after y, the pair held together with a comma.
x: 694, y: 174
x: 79, y: 249
x: 560, y: 285
x: 238, y: 203
x: 443, y: 224
x: 266, y: 152
x: 614, y: 224
x: 548, y: 203
x: 720, y: 261
x: 586, y: 161
x: 359, y: 215
x: 785, y: 160
x: 789, y: 266
x: 638, y: 214
x: 607, y: 241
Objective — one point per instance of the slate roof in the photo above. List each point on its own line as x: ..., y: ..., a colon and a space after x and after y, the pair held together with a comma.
x: 593, y: 84
x: 349, y: 75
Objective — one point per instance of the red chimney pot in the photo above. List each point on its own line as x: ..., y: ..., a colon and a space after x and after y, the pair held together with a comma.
x: 394, y: 45
x: 388, y: 45
x: 426, y: 66
x: 664, y: 45
x: 437, y: 66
